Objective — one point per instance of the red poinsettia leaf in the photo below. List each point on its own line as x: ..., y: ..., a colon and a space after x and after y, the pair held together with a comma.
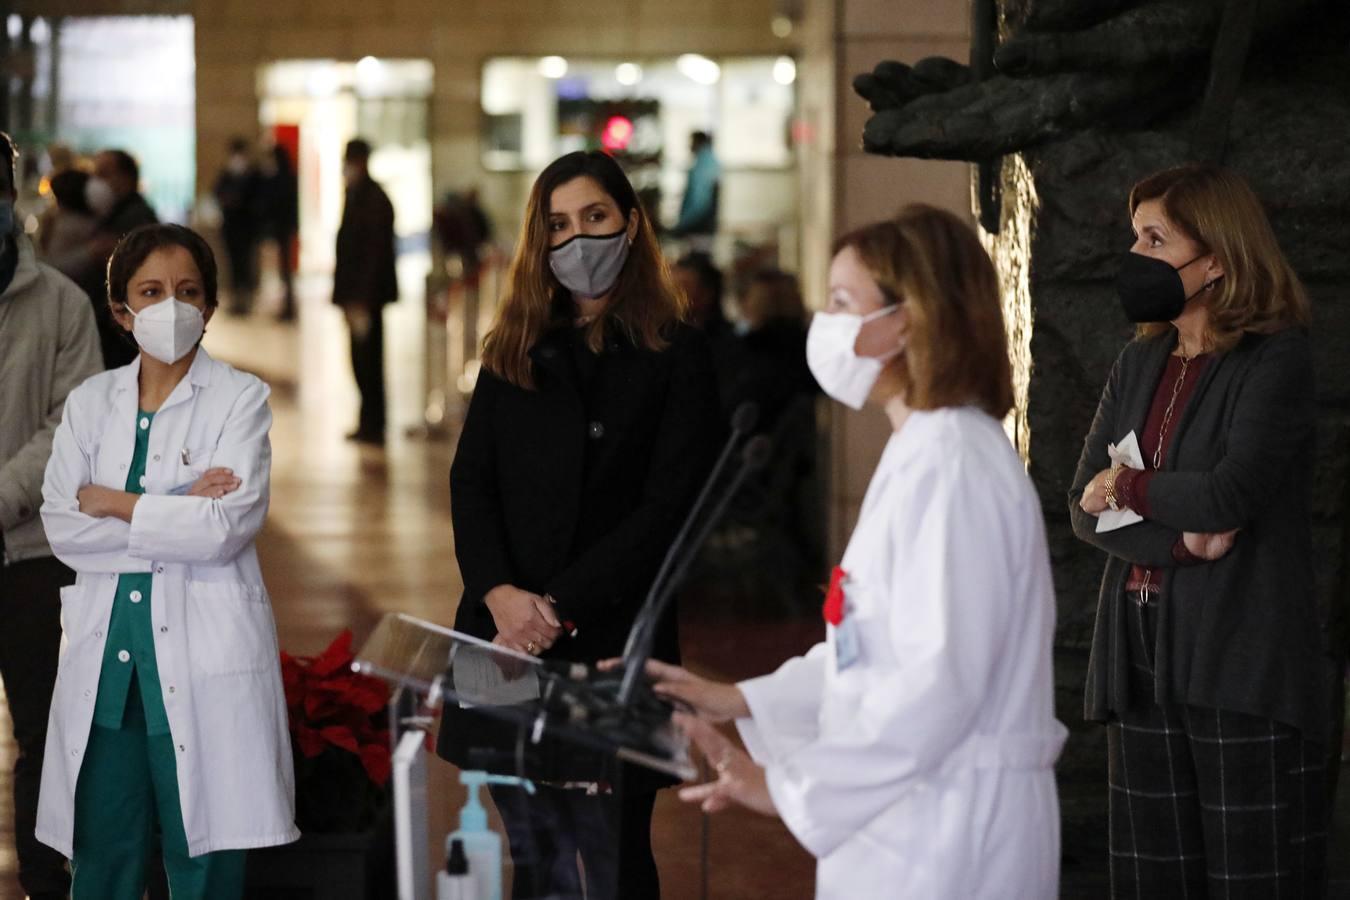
x: 369, y: 695
x: 376, y: 760
x: 336, y: 657
x: 341, y: 736
x: 833, y: 610
x: 310, y: 742
x: 319, y: 704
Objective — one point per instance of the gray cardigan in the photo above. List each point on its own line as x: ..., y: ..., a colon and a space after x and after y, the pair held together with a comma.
x: 1240, y: 633
x: 48, y: 345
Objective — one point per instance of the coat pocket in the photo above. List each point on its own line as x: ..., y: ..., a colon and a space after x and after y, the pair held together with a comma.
x: 229, y: 628
x: 76, y: 618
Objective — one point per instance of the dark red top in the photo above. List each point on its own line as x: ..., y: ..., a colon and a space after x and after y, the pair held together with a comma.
x: 1132, y: 484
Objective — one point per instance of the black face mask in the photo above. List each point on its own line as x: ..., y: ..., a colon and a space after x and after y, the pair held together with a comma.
x: 1150, y: 289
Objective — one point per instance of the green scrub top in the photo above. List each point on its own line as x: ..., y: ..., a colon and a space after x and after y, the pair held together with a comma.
x: 131, y: 642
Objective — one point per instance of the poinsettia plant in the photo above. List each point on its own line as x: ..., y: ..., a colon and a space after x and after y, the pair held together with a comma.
x: 339, y: 738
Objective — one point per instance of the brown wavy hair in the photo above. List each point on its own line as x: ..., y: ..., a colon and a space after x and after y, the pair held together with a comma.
x: 1259, y: 291
x: 643, y: 305
x: 956, y: 351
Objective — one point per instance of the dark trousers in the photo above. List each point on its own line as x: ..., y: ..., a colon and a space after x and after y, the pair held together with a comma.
x: 241, y: 243
x: 30, y: 642
x: 612, y: 834
x: 367, y: 333
x: 285, y: 263
x: 1207, y: 802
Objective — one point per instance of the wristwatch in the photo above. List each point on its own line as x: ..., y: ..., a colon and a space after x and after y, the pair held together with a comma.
x: 1109, y: 488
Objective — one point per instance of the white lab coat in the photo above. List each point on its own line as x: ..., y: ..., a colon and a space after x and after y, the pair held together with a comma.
x: 215, y: 639
x: 924, y: 769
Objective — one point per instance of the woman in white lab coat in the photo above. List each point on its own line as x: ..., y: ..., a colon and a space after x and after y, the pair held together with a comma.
x: 911, y: 752
x: 168, y: 714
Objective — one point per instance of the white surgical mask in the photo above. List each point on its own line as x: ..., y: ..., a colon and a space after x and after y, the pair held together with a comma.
x: 99, y: 195
x: 841, y: 373
x: 167, y: 330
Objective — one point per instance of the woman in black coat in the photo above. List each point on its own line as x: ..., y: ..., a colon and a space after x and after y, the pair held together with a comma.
x: 593, y: 424
x: 1206, y: 659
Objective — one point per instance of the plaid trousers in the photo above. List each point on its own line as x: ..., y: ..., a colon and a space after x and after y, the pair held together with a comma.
x: 1209, y: 803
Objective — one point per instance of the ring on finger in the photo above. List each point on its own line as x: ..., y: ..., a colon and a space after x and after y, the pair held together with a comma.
x: 531, y: 647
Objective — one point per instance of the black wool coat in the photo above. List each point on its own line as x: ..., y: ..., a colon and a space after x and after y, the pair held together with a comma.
x: 576, y: 489
x: 1240, y: 633
x: 363, y: 267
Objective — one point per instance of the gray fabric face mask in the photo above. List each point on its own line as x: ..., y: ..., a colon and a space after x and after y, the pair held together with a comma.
x: 588, y: 265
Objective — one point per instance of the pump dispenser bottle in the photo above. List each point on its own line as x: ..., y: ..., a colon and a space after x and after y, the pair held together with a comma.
x: 482, y: 846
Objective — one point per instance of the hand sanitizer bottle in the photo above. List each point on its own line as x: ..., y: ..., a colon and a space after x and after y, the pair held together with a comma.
x: 482, y: 846
x: 455, y: 881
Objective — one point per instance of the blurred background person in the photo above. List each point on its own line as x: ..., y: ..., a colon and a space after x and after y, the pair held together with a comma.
x: 770, y: 367
x: 114, y: 194
x: 698, y: 207
x: 279, y: 218
x: 236, y: 192
x: 48, y: 345
x: 68, y: 224
x: 701, y: 280
x: 65, y: 244
x: 364, y: 280
x: 464, y: 230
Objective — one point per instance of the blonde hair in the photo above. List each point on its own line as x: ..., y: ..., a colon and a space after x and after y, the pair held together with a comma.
x: 1259, y: 291
x: 643, y: 304
x: 956, y: 352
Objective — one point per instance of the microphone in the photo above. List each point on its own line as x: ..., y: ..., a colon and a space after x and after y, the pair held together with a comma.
x: 753, y: 457
x: 742, y: 420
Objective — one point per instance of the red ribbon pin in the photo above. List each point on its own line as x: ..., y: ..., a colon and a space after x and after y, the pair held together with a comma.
x: 833, y: 610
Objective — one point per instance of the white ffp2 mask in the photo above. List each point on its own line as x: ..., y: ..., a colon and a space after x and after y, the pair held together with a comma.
x: 841, y: 373
x: 167, y: 330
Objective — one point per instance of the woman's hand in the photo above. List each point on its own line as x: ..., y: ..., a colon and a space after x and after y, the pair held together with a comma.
x: 1209, y: 547
x: 1093, y: 501
x: 101, y: 502
x: 525, y: 621
x: 511, y: 667
x: 214, y: 484
x: 739, y: 779
x: 714, y: 701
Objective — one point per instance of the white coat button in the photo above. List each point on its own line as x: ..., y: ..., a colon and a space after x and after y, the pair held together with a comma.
x: 156, y: 457
x: 145, y: 423
x: 98, y: 634
x: 182, y: 749
x: 123, y: 655
x: 122, y: 466
x: 171, y: 689
x: 159, y: 569
x: 74, y: 753
x: 142, y: 482
x: 86, y: 693
x: 163, y: 629
x: 135, y: 596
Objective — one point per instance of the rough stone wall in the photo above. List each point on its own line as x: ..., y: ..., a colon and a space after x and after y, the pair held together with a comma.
x: 1064, y: 225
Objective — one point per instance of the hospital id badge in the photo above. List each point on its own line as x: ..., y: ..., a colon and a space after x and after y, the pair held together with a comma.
x: 847, y: 646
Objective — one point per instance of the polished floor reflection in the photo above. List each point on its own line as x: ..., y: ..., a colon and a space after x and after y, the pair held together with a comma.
x: 355, y: 532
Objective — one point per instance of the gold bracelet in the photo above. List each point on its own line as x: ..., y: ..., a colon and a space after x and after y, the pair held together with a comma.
x: 1110, y: 488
